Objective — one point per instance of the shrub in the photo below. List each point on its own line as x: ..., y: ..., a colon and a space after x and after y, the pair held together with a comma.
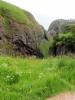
x: 45, y: 46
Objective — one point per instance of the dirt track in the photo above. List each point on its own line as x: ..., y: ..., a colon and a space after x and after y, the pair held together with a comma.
x: 64, y: 96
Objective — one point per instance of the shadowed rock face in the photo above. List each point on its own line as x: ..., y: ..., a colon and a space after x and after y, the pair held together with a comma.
x: 25, y: 49
x: 18, y: 37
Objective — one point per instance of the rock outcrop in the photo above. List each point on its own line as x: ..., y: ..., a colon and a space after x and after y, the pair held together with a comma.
x: 63, y: 33
x: 61, y: 26
x: 20, y: 33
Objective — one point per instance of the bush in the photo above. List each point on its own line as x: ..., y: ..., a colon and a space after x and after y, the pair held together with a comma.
x: 64, y: 44
x: 44, y: 47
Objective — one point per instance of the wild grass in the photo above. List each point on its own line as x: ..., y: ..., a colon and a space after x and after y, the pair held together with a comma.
x: 12, y: 12
x: 35, y: 79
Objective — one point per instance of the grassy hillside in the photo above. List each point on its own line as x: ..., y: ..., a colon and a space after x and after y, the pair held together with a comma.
x: 14, y: 12
x: 19, y: 15
x: 35, y: 79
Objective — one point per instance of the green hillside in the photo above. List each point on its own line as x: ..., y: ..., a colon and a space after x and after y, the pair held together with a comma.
x: 19, y: 15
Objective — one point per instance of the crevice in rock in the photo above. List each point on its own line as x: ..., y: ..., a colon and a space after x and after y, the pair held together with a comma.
x: 25, y: 49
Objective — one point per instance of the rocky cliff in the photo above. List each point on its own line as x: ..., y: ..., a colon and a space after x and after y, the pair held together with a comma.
x: 20, y: 33
x: 61, y: 26
x: 63, y: 33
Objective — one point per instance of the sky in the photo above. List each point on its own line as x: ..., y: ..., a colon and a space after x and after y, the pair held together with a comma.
x: 46, y: 11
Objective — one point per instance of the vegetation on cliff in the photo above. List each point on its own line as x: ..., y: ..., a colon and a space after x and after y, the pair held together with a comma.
x: 20, y: 33
x: 61, y: 38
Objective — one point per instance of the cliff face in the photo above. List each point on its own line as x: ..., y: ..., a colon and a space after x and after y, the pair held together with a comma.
x: 20, y: 34
x: 63, y: 33
x: 61, y: 26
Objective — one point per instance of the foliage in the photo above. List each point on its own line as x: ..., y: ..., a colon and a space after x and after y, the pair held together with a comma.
x: 6, y: 25
x: 68, y: 41
x: 45, y: 45
x: 64, y: 43
x: 69, y: 28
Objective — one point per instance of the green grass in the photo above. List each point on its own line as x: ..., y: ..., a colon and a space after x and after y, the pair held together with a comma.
x: 12, y: 12
x: 35, y: 79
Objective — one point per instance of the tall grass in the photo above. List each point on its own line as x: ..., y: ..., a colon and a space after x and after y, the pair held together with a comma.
x: 35, y: 79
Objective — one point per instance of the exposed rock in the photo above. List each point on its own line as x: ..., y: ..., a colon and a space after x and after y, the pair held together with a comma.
x: 24, y: 49
x: 19, y: 36
x: 60, y: 26
x: 63, y: 32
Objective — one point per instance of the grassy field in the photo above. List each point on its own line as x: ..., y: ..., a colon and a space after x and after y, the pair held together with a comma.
x: 35, y: 79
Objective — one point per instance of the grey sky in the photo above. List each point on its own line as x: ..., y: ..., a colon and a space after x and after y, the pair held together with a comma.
x: 45, y: 11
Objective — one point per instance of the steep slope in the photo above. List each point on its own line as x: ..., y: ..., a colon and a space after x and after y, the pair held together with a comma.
x: 61, y: 26
x: 20, y: 34
x: 63, y: 33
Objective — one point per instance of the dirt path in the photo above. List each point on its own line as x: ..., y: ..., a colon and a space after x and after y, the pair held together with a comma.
x: 64, y: 96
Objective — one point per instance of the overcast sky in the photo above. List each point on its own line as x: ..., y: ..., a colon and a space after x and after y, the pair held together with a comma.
x: 45, y: 11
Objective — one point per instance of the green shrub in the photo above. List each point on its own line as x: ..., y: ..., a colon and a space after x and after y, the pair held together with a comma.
x: 44, y: 46
x: 69, y: 28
